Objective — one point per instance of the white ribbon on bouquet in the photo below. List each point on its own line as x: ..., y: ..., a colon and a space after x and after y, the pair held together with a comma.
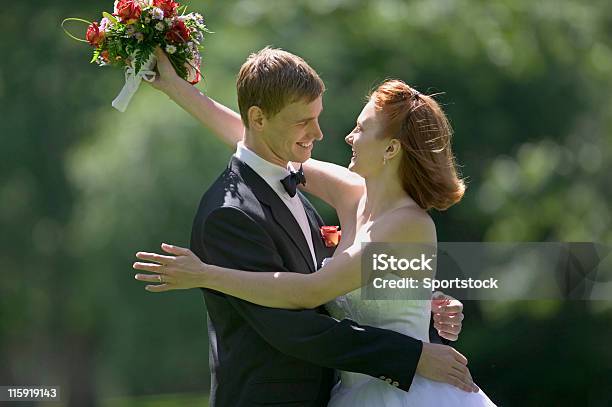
x: 132, y: 81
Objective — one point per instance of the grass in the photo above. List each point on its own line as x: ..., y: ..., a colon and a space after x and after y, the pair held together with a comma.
x: 158, y: 400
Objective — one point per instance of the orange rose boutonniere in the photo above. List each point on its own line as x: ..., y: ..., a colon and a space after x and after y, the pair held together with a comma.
x: 331, y: 235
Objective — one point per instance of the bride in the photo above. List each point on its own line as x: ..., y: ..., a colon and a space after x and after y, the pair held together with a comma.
x: 402, y: 166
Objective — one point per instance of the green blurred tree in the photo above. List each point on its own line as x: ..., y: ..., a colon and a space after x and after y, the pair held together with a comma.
x: 526, y: 85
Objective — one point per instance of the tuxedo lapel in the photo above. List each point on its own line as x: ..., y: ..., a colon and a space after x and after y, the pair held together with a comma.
x: 287, y: 221
x: 279, y: 210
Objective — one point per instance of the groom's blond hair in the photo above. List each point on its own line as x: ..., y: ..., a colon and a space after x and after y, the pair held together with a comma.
x: 272, y: 78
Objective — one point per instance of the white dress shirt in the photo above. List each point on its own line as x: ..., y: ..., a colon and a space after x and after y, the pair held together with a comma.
x: 273, y: 174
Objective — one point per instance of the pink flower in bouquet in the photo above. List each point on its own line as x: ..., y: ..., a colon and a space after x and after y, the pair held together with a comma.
x: 178, y: 32
x: 104, y: 23
x: 168, y: 7
x: 128, y: 11
x: 94, y: 36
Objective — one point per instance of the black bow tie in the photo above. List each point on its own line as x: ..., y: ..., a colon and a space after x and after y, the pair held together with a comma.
x: 291, y: 181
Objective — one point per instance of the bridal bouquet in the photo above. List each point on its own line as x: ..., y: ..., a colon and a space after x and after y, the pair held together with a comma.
x: 128, y: 37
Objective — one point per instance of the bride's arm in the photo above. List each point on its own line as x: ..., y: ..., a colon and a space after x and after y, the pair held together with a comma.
x: 282, y: 289
x: 220, y: 119
x: 334, y: 184
x: 184, y: 270
x: 288, y: 290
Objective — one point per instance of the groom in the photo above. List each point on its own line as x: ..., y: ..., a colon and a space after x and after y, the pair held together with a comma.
x: 251, y: 218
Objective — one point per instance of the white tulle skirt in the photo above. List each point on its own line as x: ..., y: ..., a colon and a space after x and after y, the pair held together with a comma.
x: 365, y: 391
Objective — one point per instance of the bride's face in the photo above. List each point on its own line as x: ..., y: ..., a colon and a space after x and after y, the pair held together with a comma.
x: 367, y: 142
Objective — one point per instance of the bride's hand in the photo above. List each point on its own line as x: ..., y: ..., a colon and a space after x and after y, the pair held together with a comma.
x: 166, y: 75
x: 180, y: 271
x: 447, y: 315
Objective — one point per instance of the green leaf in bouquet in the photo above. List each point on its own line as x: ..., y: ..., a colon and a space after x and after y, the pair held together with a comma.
x: 178, y: 64
x: 96, y: 54
x: 142, y: 55
x: 115, y: 49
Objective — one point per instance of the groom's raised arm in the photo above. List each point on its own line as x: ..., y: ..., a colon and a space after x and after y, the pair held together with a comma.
x: 231, y: 238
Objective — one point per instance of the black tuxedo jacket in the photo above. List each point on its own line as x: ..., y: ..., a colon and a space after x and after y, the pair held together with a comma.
x: 269, y: 356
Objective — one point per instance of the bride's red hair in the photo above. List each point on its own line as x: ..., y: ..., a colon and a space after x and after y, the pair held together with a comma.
x: 427, y: 169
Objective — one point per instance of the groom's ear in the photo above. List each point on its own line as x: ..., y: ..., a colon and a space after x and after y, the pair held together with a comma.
x: 256, y: 118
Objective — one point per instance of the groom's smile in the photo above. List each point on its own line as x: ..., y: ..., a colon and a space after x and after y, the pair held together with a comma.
x: 307, y: 146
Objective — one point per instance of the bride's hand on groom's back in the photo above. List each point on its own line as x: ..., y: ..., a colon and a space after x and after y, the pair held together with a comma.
x: 444, y: 364
x: 447, y: 315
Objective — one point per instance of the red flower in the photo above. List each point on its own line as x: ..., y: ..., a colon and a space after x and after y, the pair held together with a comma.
x: 94, y: 36
x: 167, y: 6
x: 331, y: 235
x: 128, y: 11
x: 105, y: 56
x: 178, y: 32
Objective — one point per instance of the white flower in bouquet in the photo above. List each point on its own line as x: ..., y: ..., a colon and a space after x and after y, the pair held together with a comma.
x: 160, y: 26
x: 198, y: 37
x: 101, y: 61
x: 157, y: 13
x: 193, y: 47
x: 139, y: 36
x: 197, y: 17
x: 170, y: 49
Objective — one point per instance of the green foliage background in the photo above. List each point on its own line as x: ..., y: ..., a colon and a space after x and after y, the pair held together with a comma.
x: 83, y: 187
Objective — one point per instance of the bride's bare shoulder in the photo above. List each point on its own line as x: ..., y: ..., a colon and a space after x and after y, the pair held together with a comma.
x: 405, y: 224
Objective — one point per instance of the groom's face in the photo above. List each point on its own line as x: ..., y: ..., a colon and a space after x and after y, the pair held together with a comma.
x: 291, y: 133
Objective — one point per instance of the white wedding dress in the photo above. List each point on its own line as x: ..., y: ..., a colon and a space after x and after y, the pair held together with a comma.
x: 411, y: 318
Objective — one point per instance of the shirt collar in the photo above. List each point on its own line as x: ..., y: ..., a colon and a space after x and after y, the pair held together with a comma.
x: 271, y: 173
